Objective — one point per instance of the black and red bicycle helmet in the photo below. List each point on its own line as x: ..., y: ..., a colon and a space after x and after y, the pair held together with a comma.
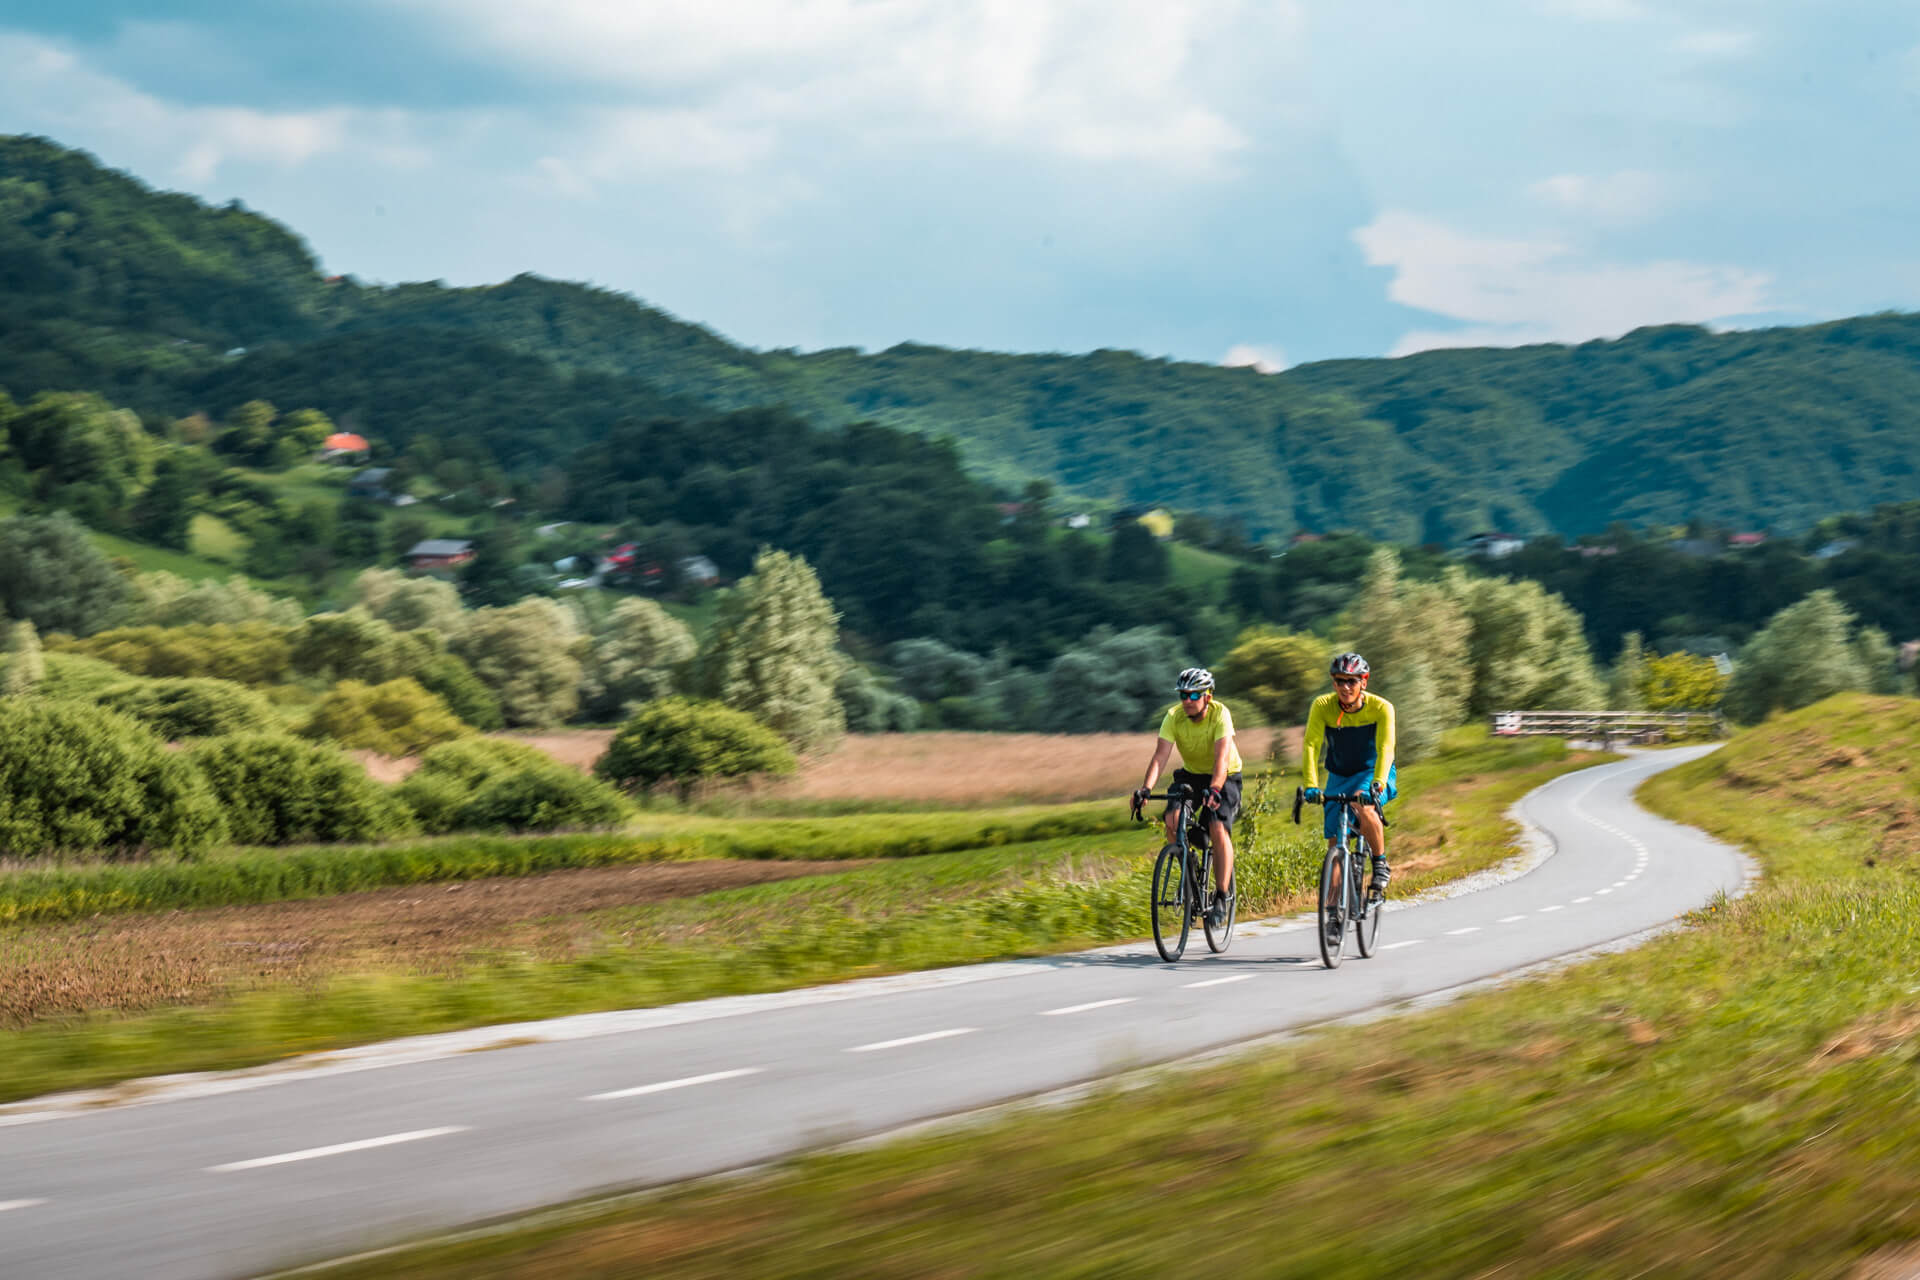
x: 1349, y: 664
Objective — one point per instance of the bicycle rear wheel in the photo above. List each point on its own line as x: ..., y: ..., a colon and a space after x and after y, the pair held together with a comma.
x: 1221, y: 937
x: 1172, y: 913
x: 1366, y: 928
x: 1333, y: 908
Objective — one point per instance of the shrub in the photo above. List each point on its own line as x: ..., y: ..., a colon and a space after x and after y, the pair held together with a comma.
x: 397, y: 718
x: 455, y: 684
x: 684, y: 741
x: 192, y: 708
x: 247, y: 652
x: 484, y: 784
x: 280, y: 790
x: 76, y: 778
x: 542, y: 800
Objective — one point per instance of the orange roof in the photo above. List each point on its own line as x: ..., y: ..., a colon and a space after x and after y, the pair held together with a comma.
x: 345, y: 441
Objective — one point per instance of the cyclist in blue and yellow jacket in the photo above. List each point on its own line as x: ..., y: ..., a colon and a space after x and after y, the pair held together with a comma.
x: 1355, y: 728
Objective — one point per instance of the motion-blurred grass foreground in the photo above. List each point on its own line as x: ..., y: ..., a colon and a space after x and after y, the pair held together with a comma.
x: 1735, y: 1099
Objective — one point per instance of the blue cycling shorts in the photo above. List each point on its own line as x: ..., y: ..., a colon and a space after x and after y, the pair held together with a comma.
x: 1352, y: 784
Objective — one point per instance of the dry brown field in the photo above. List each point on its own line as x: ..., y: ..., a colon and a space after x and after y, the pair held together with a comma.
x: 139, y: 961
x: 939, y: 768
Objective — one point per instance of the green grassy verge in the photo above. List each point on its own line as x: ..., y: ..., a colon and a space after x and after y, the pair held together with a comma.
x: 1733, y: 1100
x: 251, y: 876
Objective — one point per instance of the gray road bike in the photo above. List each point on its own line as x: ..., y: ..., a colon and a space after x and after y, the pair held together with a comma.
x: 1183, y: 878
x: 1346, y: 898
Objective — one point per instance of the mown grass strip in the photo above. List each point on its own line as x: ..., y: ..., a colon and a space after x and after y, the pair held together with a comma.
x: 1733, y: 1100
x: 1069, y: 893
x: 253, y: 876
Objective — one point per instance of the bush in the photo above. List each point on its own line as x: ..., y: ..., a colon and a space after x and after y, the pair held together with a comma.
x: 280, y: 790
x: 685, y: 741
x: 397, y: 718
x: 80, y: 779
x: 247, y: 652
x: 542, y: 800
x: 484, y: 784
x: 193, y: 708
x: 454, y: 683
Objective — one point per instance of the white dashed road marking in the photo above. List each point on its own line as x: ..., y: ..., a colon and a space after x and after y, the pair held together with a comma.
x: 1454, y: 933
x: 1410, y: 942
x: 1083, y: 1008
x: 1578, y: 901
x: 710, y: 1078
x: 18, y: 1204
x: 1555, y: 907
x: 907, y: 1040
x: 1511, y: 919
x: 1214, y: 982
x: 338, y: 1149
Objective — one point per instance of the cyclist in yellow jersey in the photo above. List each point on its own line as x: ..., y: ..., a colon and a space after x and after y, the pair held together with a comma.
x: 1201, y: 729
x: 1356, y: 729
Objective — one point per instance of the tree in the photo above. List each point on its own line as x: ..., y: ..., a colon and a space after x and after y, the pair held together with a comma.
x: 407, y: 603
x: 167, y: 600
x: 637, y: 656
x: 930, y: 670
x: 52, y: 575
x: 871, y: 706
x: 163, y: 513
x: 1135, y: 555
x: 26, y: 665
x: 191, y: 708
x: 686, y: 741
x: 1113, y: 682
x: 772, y: 653
x: 1681, y: 682
x: 1527, y: 646
x: 279, y: 790
x: 1626, y: 680
x: 1415, y: 637
x: 397, y: 718
x: 1277, y: 671
x: 527, y: 655
x: 1806, y: 652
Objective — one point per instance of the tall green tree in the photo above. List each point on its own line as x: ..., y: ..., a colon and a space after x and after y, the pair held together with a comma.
x: 528, y: 656
x: 52, y: 575
x: 1277, y: 671
x: 1527, y: 647
x: 773, y: 653
x: 638, y: 655
x: 1626, y: 679
x: 1416, y: 638
x: 1806, y: 652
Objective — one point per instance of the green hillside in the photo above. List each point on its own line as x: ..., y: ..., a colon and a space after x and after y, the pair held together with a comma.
x: 170, y: 306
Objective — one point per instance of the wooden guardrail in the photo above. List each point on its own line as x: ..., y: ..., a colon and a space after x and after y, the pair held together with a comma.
x: 1606, y: 726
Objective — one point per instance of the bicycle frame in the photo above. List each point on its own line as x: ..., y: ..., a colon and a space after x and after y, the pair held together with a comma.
x: 1196, y: 845
x: 1359, y: 905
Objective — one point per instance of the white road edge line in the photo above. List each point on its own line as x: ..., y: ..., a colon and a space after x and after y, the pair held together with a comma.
x: 1091, y: 1004
x: 1214, y: 982
x: 314, y: 1153
x: 18, y: 1204
x: 710, y: 1078
x: 1410, y: 942
x: 1454, y: 933
x: 906, y: 1040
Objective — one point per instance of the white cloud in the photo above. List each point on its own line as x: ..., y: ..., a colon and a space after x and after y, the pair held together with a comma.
x: 49, y: 85
x: 1101, y: 80
x: 1627, y: 196
x: 1599, y: 10
x: 1261, y: 359
x: 1510, y: 291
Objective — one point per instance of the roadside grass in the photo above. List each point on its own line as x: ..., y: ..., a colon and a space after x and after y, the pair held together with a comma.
x: 33, y: 893
x: 1732, y: 1100
x: 1083, y: 887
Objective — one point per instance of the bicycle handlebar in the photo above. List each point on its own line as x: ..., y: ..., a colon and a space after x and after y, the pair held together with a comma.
x: 1358, y: 797
x: 1178, y: 791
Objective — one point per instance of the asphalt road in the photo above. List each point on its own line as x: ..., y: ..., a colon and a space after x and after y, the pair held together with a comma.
x: 318, y: 1164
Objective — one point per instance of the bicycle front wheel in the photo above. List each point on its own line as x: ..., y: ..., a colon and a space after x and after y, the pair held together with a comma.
x: 1172, y: 913
x: 1333, y: 908
x: 1221, y: 936
x: 1366, y: 927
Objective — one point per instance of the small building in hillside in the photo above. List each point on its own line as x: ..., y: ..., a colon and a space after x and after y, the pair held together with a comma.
x: 345, y: 446
x: 1494, y: 545
x: 1742, y: 541
x: 439, y: 553
x: 698, y: 570
x: 371, y: 482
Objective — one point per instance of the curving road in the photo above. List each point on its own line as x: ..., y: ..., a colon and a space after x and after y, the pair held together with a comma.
x: 232, y: 1176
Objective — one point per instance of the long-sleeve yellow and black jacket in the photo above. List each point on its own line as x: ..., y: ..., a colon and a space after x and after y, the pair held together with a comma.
x: 1354, y: 741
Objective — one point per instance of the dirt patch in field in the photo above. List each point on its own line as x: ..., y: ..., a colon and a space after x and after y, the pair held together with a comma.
x: 137, y: 961
x: 940, y: 768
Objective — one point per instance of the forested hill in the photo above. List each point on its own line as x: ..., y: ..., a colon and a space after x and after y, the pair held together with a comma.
x: 170, y: 305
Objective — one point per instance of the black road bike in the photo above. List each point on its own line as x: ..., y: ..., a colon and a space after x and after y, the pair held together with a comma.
x: 1345, y: 896
x: 1183, y: 878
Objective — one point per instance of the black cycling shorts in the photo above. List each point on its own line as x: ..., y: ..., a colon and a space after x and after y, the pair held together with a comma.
x: 1229, y: 794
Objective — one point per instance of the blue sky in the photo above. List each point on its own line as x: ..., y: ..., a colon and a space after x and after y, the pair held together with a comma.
x: 1207, y: 179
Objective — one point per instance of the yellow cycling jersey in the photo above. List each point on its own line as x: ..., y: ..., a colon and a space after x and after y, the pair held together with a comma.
x: 1355, y: 741
x: 1194, y: 739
